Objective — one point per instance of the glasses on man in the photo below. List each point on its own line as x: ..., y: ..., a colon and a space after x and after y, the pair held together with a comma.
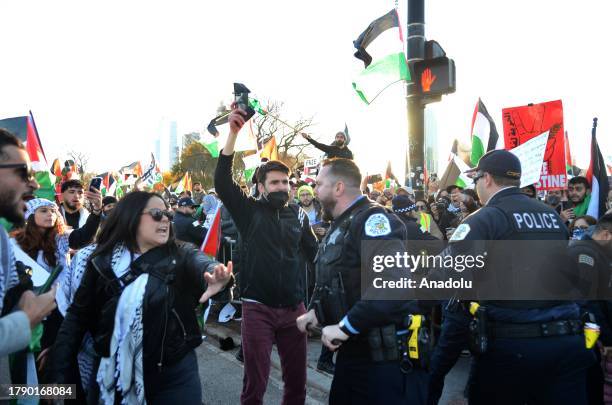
x: 157, y: 214
x: 420, y: 208
x: 21, y: 169
x: 477, y: 177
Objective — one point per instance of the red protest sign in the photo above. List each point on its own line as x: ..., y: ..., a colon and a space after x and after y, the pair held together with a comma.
x: 526, y: 122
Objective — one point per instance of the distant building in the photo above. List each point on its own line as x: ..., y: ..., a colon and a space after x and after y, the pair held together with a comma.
x: 158, y: 150
x: 190, y: 138
x: 173, y: 150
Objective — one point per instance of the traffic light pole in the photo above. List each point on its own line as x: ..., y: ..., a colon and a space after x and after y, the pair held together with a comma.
x: 415, y: 154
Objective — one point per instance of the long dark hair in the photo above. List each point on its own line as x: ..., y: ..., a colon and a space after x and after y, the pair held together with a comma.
x: 122, y: 224
x: 31, y: 239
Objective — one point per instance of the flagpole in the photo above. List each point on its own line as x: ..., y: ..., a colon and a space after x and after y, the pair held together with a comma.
x: 415, y: 108
x: 282, y: 122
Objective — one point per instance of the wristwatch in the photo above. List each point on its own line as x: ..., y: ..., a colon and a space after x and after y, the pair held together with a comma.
x: 344, y: 328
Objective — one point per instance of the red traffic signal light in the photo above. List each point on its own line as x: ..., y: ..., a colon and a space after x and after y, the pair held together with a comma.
x: 435, y: 77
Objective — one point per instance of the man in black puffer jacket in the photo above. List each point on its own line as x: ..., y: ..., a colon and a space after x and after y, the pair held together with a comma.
x: 273, y: 234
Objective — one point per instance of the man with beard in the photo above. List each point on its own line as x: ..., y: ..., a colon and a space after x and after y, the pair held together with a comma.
x: 366, y: 372
x: 17, y: 183
x: 75, y: 215
x: 273, y: 234
x: 578, y: 194
x: 337, y: 149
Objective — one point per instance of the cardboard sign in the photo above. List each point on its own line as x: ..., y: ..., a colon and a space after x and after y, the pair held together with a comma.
x: 527, y: 122
x: 531, y: 155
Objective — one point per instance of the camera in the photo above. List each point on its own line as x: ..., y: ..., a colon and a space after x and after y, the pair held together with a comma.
x: 241, y: 97
x: 442, y: 204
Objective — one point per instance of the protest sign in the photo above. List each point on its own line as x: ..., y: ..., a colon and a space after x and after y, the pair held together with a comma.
x: 527, y: 122
x: 531, y: 155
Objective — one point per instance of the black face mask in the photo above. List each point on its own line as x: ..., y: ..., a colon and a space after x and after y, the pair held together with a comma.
x: 278, y: 199
x: 553, y: 200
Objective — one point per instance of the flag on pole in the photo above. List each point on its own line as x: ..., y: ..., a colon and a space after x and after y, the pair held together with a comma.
x: 184, y: 184
x: 598, y: 178
x: 346, y: 133
x: 270, y: 151
x: 152, y: 175
x: 44, y: 177
x: 210, y: 246
x: 484, y: 134
x: 255, y: 105
x: 212, y: 147
x: 251, y: 162
x: 388, y: 65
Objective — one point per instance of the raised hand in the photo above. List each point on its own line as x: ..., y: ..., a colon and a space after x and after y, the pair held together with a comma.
x: 216, y: 280
x: 427, y: 79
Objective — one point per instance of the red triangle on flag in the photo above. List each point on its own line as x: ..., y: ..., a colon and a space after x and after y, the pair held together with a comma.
x: 210, y: 246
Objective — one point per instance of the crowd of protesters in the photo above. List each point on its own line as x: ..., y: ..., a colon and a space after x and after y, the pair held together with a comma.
x: 122, y: 325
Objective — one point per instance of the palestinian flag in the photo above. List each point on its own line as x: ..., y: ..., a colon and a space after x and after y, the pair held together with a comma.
x: 484, y: 134
x: 109, y: 184
x: 184, y: 184
x: 44, y: 177
x: 211, y: 243
x: 346, y: 133
x: 598, y: 178
x: 251, y: 162
x: 388, y: 63
x: 255, y: 105
x: 24, y: 128
x: 212, y: 147
x: 270, y: 151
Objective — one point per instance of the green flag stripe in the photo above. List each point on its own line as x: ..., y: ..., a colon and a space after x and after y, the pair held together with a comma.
x: 380, y: 75
x: 477, y: 150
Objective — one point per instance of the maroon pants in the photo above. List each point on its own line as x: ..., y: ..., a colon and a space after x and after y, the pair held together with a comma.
x: 263, y: 326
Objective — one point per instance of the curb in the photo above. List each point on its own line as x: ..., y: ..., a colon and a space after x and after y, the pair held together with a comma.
x: 314, y: 378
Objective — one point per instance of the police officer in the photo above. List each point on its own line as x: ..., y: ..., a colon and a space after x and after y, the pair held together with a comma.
x: 529, y: 351
x: 592, y: 257
x: 186, y: 227
x: 352, y: 325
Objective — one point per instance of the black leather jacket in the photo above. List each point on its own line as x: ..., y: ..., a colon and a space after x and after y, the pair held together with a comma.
x: 170, y: 327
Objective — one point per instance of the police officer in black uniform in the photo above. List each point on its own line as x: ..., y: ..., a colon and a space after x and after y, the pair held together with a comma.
x: 592, y: 257
x: 364, y: 332
x: 527, y: 352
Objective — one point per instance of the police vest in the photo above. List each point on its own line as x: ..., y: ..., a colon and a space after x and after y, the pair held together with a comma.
x: 530, y: 220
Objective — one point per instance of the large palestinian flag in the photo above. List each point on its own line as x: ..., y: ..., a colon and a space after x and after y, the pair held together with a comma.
x: 484, y: 134
x: 381, y: 48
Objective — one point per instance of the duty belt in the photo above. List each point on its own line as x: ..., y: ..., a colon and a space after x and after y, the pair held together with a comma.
x: 534, y: 330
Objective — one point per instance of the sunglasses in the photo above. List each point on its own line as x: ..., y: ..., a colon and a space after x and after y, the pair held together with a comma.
x: 477, y: 177
x: 22, y: 170
x: 420, y: 208
x: 157, y: 214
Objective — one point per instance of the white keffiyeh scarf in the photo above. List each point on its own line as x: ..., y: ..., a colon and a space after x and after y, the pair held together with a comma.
x: 122, y: 371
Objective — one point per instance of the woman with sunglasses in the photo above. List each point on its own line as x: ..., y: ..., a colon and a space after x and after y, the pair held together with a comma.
x: 46, y: 241
x: 137, y: 297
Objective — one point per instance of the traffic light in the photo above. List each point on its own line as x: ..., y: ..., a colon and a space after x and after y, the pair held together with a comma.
x: 435, y: 77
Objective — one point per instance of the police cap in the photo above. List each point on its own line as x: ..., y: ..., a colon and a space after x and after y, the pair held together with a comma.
x: 500, y: 163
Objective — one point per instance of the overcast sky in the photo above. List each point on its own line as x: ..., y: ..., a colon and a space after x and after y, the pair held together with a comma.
x: 102, y: 78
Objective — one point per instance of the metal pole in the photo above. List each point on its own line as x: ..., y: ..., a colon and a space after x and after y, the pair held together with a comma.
x: 415, y: 155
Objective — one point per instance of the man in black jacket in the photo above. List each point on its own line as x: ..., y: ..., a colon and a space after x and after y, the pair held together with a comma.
x: 186, y: 227
x: 337, y: 149
x: 273, y: 233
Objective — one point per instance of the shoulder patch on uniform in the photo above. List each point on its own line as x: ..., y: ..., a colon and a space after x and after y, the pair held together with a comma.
x: 461, y: 232
x: 377, y: 225
x: 195, y: 223
x: 586, y: 259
